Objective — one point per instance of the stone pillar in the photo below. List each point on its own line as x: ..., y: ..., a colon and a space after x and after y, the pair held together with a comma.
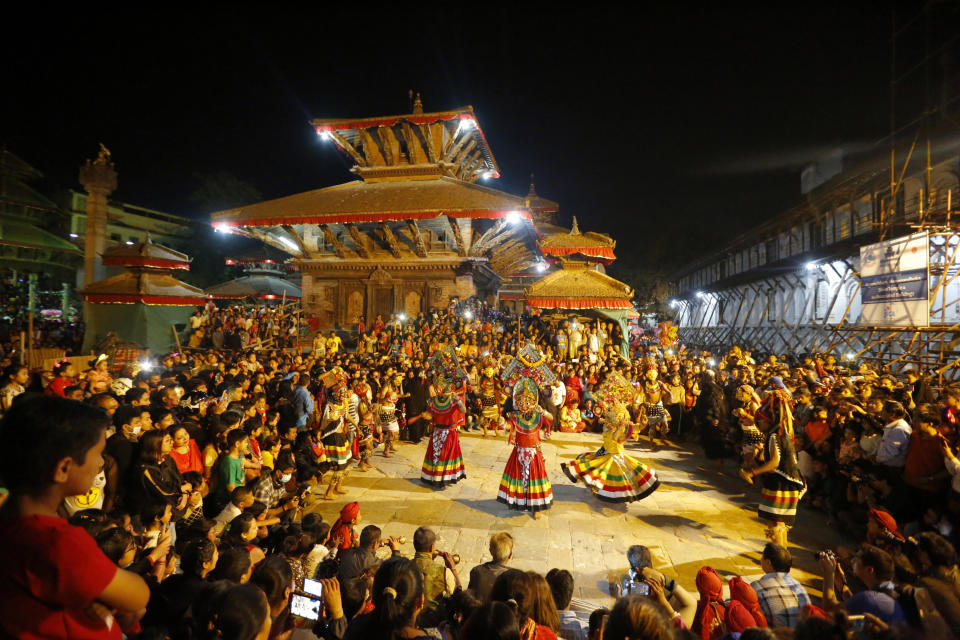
x: 32, y: 279
x: 99, y: 178
x: 64, y: 301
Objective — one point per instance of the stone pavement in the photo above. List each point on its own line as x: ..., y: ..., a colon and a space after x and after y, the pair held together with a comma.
x: 698, y: 516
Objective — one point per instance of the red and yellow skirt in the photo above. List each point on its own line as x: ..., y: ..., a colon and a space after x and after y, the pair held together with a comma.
x: 613, y: 477
x: 524, y: 484
x: 443, y: 462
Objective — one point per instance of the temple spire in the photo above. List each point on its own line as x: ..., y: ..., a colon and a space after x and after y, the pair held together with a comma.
x: 417, y: 106
x: 576, y: 229
x: 533, y: 191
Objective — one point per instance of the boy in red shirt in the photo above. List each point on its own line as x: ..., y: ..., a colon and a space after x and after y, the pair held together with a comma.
x: 54, y: 580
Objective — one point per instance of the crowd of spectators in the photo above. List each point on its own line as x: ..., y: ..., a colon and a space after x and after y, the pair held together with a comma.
x: 175, y: 500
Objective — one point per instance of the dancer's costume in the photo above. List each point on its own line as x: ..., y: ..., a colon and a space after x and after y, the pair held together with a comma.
x: 335, y: 433
x: 653, y: 390
x: 610, y: 473
x: 489, y: 399
x: 443, y: 461
x: 524, y: 484
x: 784, y: 486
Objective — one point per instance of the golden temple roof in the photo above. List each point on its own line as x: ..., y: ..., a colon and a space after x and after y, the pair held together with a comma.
x: 362, y: 201
x: 145, y: 254
x: 134, y: 287
x: 579, y: 288
x: 563, y: 243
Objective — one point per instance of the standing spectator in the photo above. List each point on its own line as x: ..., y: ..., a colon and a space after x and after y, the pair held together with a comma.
x: 572, y: 626
x: 54, y: 580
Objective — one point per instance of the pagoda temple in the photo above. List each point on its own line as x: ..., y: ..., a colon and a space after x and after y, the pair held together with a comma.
x: 412, y: 232
x: 141, y: 304
x: 264, y: 278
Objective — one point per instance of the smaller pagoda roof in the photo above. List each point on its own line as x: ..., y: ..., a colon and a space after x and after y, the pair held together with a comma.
x: 145, y: 254
x: 591, y: 245
x: 146, y: 287
x: 262, y: 254
x: 20, y: 233
x: 579, y: 288
x: 255, y: 286
x: 537, y: 204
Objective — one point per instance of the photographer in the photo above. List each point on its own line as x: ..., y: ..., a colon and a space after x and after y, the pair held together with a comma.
x: 439, y: 581
x: 639, y: 580
x: 874, y: 568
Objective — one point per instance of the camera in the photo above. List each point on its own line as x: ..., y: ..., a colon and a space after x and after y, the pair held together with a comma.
x: 826, y: 553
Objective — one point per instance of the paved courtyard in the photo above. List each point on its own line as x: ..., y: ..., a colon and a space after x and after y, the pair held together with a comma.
x: 700, y: 515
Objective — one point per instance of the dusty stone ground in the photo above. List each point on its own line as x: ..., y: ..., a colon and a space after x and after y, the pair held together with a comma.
x: 700, y: 515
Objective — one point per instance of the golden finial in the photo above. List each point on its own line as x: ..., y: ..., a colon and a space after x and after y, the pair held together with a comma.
x: 576, y: 229
x: 533, y: 192
x: 104, y: 157
x: 417, y: 105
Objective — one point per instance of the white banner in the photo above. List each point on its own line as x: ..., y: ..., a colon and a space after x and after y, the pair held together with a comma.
x: 894, y: 282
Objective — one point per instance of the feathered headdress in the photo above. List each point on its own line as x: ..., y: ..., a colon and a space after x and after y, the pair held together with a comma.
x: 446, y: 366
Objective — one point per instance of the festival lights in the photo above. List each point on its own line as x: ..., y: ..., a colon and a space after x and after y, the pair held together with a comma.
x: 541, y: 266
x: 513, y: 217
x: 73, y: 235
x: 468, y: 314
x: 811, y: 266
x: 146, y: 365
x: 401, y: 317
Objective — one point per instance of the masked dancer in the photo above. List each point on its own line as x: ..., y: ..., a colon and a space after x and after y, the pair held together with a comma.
x: 443, y: 461
x: 524, y: 484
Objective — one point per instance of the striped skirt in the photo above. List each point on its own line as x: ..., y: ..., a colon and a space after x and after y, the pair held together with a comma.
x: 779, y: 498
x: 443, y: 462
x: 614, y: 477
x: 524, y: 484
x: 338, y: 449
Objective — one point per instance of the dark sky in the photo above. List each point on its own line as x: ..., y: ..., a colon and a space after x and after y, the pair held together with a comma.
x: 671, y: 125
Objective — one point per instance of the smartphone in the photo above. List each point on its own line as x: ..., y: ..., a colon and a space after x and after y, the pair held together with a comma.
x: 641, y: 588
x: 857, y: 623
x: 304, y: 607
x: 313, y: 587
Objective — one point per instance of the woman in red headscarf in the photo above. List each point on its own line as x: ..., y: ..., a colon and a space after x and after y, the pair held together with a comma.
x: 742, y: 593
x: 709, y: 622
x: 342, y: 530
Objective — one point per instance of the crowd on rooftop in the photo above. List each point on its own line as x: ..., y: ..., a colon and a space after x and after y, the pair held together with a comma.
x: 174, y: 499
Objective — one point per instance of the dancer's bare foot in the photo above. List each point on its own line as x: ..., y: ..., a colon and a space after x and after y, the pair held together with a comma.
x: 537, y: 515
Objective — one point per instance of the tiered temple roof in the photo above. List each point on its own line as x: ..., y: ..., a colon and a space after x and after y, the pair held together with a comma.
x: 590, y: 246
x: 576, y: 286
x: 147, y: 279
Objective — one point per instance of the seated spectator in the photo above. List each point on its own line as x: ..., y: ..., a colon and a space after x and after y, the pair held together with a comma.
x: 515, y: 588
x: 356, y: 562
x: 543, y: 611
x: 492, y: 621
x: 233, y: 565
x: 743, y: 593
x: 238, y: 612
x: 55, y: 581
x: 397, y: 600
x: 240, y: 500
x: 572, y: 626
x: 483, y: 576
x: 637, y: 580
x: 781, y: 596
x: 598, y: 618
x: 460, y: 607
x: 874, y: 568
x: 342, y: 531
x: 185, y: 453
x: 635, y: 616
x: 939, y: 575
x: 171, y: 599
x: 709, y: 622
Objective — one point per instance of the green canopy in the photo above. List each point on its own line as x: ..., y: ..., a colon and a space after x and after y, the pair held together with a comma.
x: 145, y: 324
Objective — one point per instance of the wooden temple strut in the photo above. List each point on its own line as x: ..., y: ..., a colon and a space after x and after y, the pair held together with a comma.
x: 457, y: 236
x: 338, y: 247
x: 419, y: 246
x: 392, y: 243
x: 295, y: 237
x: 359, y: 240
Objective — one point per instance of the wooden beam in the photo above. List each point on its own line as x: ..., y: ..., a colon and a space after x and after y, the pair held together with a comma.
x: 433, y: 134
x: 419, y: 246
x: 416, y: 153
x: 295, y: 237
x: 478, y: 246
x: 391, y: 146
x: 392, y: 243
x: 457, y: 236
x: 359, y: 240
x: 338, y: 247
x: 349, y: 148
x: 371, y: 149
x: 273, y: 242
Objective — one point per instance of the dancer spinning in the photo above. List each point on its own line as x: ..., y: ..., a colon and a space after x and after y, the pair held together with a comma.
x: 783, y: 484
x: 334, y: 429
x: 443, y: 461
x: 489, y: 393
x: 611, y: 474
x: 524, y: 484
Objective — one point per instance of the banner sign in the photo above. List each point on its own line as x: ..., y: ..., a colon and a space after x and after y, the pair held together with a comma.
x: 895, y: 281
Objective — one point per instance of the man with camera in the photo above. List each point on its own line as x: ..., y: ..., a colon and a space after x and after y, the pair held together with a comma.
x: 874, y: 568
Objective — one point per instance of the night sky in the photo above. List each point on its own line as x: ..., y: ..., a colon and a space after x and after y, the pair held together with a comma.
x: 676, y: 126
